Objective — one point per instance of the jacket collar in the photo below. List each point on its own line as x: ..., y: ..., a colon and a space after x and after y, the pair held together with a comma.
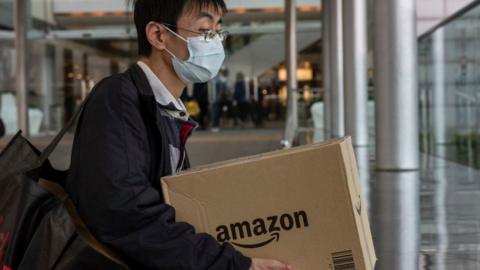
x: 145, y: 91
x: 150, y: 108
x: 160, y: 91
x: 159, y: 164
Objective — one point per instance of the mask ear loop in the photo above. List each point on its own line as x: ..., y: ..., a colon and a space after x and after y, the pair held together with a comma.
x: 169, y: 52
x: 175, y: 34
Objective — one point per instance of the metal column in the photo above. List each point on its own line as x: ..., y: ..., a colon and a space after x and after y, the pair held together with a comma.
x: 21, y: 29
x: 397, y: 219
x: 336, y: 69
x: 396, y: 89
x: 47, y: 73
x: 326, y: 76
x: 291, y: 63
x: 439, y: 96
x: 355, y: 53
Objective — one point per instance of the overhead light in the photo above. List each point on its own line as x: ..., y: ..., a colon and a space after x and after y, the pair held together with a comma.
x: 239, y: 10
x: 96, y: 14
x: 309, y: 9
x: 303, y: 74
x: 273, y: 10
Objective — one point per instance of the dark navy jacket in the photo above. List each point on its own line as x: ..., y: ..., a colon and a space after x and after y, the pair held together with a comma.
x: 119, y: 154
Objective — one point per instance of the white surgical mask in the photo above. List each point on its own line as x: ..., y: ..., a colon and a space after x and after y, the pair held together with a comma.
x: 206, y: 59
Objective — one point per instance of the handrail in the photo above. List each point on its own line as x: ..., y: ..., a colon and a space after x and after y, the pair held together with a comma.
x: 449, y: 19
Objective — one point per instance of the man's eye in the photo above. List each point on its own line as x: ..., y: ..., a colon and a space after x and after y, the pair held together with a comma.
x: 204, y: 30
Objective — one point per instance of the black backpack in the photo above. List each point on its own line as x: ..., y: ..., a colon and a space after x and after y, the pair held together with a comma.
x: 39, y: 226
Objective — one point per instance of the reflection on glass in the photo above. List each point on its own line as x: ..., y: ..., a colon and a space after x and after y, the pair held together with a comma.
x: 396, y: 220
x: 450, y: 89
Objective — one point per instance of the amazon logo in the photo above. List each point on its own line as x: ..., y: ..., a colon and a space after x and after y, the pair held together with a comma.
x: 270, y: 227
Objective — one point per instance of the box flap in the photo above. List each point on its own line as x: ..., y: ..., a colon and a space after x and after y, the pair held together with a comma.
x: 360, y: 212
x: 271, y: 154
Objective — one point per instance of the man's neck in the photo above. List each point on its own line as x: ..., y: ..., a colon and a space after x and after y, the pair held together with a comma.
x: 165, y: 74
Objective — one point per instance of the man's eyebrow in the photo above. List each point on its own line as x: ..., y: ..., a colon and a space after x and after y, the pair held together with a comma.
x: 206, y: 14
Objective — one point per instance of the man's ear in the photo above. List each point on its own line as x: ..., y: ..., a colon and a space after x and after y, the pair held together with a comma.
x: 156, y: 35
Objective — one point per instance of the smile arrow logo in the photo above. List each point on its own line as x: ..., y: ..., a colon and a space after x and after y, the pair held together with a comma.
x: 274, y: 237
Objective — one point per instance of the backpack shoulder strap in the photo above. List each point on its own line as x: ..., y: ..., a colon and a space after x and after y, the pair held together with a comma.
x: 80, y: 226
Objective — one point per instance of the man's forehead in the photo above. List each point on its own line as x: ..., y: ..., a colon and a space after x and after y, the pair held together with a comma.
x: 210, y: 16
x: 209, y: 12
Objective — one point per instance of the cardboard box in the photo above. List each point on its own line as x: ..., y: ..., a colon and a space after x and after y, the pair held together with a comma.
x: 302, y: 206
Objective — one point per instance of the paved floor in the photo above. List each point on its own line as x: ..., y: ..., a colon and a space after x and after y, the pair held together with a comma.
x: 428, y: 219
x: 204, y: 147
x: 421, y: 220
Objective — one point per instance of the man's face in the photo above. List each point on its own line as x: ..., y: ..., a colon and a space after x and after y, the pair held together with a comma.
x: 191, y: 21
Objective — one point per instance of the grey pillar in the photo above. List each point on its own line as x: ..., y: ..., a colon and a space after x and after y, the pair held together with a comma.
x: 355, y: 53
x: 397, y: 220
x: 326, y: 76
x: 291, y: 57
x: 439, y: 106
x: 396, y: 94
x: 21, y: 29
x: 336, y: 67
x: 47, y: 82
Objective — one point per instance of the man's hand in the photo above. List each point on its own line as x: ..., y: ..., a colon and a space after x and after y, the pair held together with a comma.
x: 264, y: 264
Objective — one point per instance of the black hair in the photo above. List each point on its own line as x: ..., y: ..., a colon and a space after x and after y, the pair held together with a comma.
x: 165, y: 11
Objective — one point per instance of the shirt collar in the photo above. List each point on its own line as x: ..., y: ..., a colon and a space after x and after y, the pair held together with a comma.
x: 161, y: 93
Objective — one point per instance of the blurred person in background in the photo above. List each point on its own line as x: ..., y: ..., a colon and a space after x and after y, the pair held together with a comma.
x: 222, y: 99
x: 240, y: 99
x: 200, y: 94
x: 2, y: 125
x: 2, y: 128
x: 256, y: 101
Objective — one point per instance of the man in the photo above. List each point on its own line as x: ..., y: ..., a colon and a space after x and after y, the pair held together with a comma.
x: 2, y: 125
x: 200, y: 95
x: 240, y: 99
x: 2, y: 128
x: 222, y: 99
x: 134, y: 130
